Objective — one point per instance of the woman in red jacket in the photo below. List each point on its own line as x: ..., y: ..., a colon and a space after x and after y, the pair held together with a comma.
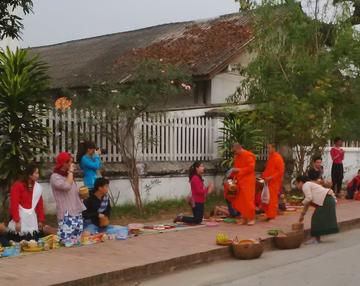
x: 198, y: 194
x: 26, y: 207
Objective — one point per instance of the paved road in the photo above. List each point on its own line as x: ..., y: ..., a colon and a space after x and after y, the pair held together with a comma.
x: 336, y: 262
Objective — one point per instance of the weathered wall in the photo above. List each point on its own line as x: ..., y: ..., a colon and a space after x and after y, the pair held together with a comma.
x: 168, y: 180
x: 351, y: 163
x: 226, y: 83
x: 153, y: 188
x: 160, y: 180
x: 223, y: 85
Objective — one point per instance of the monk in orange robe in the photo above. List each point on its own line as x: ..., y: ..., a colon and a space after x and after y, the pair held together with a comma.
x: 273, y: 176
x: 244, y: 169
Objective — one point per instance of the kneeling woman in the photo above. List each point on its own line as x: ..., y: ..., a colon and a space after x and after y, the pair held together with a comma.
x: 198, y: 194
x: 323, y: 220
x: 26, y: 207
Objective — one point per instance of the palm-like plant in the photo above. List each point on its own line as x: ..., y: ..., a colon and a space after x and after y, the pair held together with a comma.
x: 23, y: 103
x: 239, y: 128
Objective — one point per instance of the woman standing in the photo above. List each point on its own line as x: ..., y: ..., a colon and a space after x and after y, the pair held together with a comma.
x: 198, y: 194
x: 337, y: 168
x: 68, y: 203
x: 90, y: 163
x: 324, y: 219
x: 26, y: 207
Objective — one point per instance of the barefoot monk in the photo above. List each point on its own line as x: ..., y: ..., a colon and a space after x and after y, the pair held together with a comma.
x: 244, y: 169
x: 273, y: 176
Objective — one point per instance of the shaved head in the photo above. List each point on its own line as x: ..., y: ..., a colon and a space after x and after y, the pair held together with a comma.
x: 237, y: 148
x: 236, y: 145
x: 271, y: 147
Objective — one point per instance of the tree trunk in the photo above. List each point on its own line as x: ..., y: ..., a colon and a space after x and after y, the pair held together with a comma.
x: 135, y: 184
x: 127, y: 146
x: 300, y: 153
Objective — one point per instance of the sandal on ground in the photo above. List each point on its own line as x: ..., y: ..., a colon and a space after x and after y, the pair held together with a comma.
x: 178, y: 218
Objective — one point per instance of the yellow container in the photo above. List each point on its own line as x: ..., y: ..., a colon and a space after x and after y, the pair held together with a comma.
x: 83, y: 192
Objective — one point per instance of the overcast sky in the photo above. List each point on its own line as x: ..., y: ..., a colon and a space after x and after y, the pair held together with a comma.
x: 57, y: 21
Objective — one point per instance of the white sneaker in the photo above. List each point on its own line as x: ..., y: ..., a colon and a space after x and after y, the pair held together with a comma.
x: 311, y: 241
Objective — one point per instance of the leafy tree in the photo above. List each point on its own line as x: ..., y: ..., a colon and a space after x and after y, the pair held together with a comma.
x: 354, y: 15
x: 10, y: 23
x: 23, y: 103
x: 302, y: 85
x: 151, y: 85
x: 240, y: 127
x: 246, y: 5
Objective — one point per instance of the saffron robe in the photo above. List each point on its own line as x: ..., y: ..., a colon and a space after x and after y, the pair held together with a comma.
x: 275, y: 169
x: 246, y: 180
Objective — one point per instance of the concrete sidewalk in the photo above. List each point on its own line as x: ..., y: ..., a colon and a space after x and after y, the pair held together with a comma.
x: 112, y: 262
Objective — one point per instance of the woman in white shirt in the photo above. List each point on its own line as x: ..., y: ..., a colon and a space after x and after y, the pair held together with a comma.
x: 323, y: 220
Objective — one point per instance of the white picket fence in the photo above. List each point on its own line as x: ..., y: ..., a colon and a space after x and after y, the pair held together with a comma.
x: 172, y: 136
x: 178, y: 138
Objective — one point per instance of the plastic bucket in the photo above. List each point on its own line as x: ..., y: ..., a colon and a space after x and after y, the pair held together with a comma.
x: 121, y: 233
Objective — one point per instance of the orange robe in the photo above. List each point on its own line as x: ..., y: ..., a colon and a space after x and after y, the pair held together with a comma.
x: 275, y: 168
x: 246, y: 179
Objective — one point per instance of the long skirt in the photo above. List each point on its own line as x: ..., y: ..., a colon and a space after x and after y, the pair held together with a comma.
x: 70, y: 228
x: 324, y: 219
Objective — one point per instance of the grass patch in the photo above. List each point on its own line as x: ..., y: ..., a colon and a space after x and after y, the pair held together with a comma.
x: 159, y: 209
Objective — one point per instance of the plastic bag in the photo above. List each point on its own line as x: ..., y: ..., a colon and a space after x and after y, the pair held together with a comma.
x: 265, y: 194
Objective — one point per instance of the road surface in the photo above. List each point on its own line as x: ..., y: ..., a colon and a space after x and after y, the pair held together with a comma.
x: 335, y: 262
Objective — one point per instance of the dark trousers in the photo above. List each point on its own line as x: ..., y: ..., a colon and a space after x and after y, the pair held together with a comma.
x: 350, y: 192
x: 233, y: 212
x: 198, y: 214
x: 337, y: 176
x: 4, y: 240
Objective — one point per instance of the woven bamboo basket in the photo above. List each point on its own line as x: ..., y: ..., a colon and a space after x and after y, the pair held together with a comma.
x: 247, y: 249
x: 297, y: 226
x: 292, y: 240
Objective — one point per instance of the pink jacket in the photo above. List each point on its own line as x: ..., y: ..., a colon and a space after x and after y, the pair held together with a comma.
x: 198, y: 189
x: 337, y: 155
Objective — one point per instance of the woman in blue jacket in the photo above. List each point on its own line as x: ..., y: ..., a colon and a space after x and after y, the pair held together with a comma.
x: 90, y: 163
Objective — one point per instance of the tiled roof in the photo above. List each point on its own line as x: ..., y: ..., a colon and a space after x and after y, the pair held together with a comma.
x: 201, y: 47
